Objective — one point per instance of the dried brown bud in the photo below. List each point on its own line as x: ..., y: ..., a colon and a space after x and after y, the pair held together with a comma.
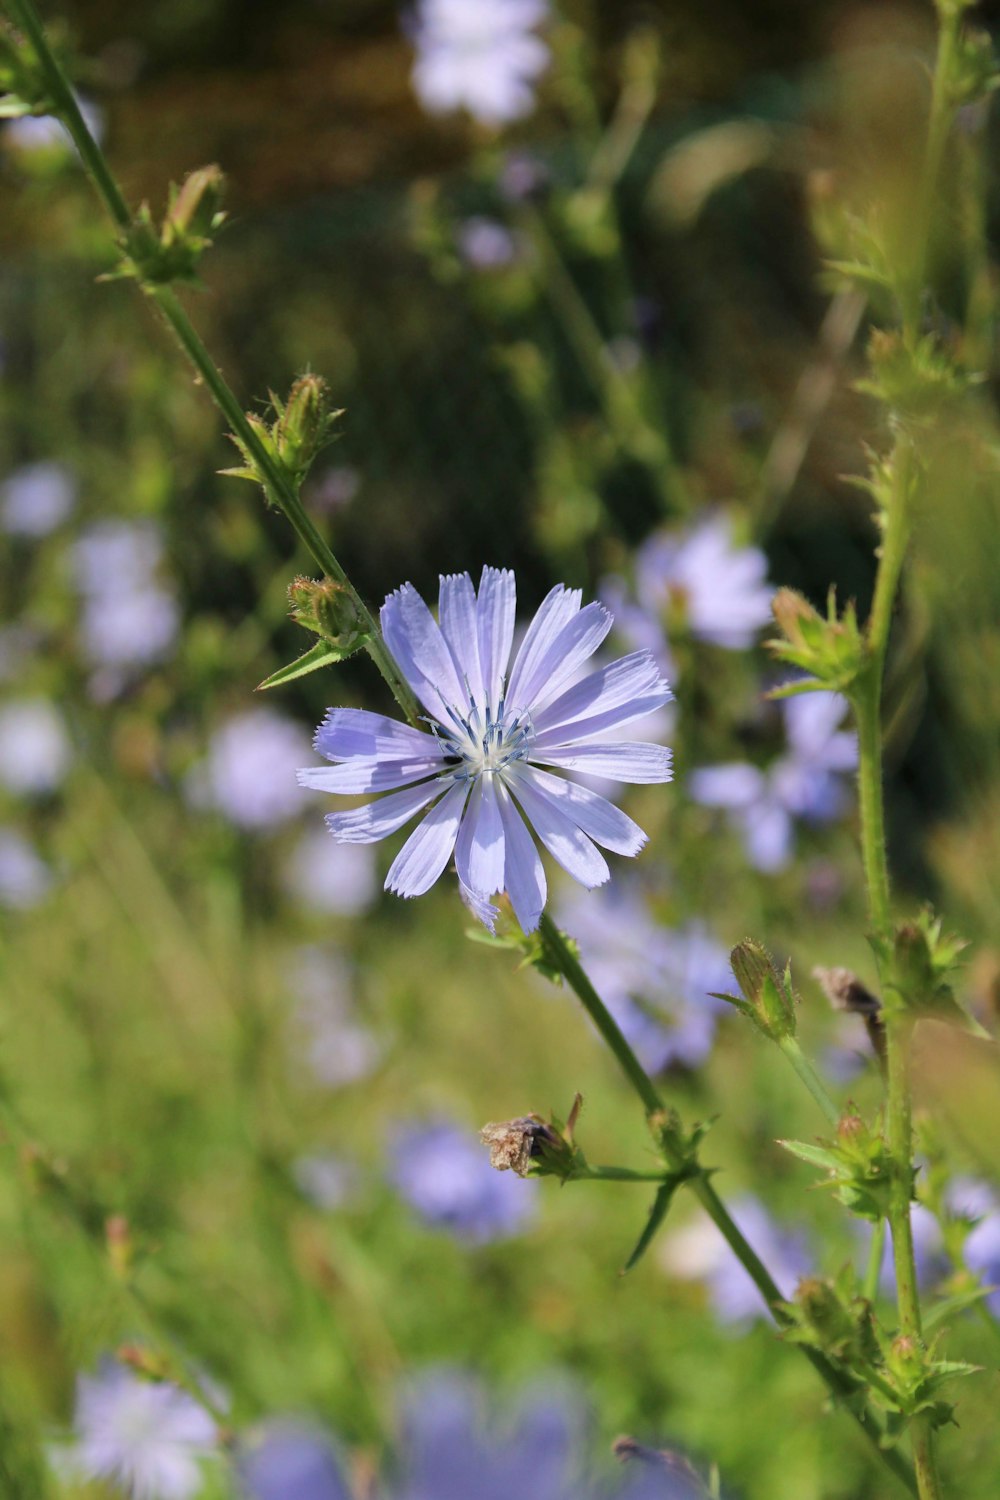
x: 845, y: 992
x: 515, y: 1144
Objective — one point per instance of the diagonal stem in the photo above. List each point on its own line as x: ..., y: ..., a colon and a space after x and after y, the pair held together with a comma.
x: 276, y: 482
x: 559, y: 952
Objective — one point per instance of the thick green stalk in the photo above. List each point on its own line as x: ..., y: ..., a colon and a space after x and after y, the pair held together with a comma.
x: 276, y: 482
x: 867, y: 701
x: 840, y: 1384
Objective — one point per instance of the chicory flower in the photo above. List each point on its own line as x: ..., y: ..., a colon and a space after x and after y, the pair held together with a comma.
x: 481, y: 767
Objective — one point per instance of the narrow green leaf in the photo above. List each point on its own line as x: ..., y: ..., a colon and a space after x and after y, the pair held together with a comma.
x: 657, y: 1214
x: 957, y: 1303
x: 323, y: 654
x: 815, y: 1155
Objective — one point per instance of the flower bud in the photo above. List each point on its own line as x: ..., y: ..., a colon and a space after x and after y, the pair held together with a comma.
x: 304, y: 423
x: 768, y: 999
x: 326, y: 608
x: 531, y: 1146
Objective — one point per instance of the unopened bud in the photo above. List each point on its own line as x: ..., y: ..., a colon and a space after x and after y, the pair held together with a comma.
x: 796, y: 618
x: 325, y: 607
x: 304, y: 423
x: 768, y: 998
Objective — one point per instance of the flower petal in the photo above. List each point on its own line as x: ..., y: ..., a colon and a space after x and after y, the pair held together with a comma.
x: 479, y: 853
x: 556, y: 610
x: 457, y: 611
x: 428, y: 849
x: 347, y: 732
x: 616, y: 694
x: 414, y: 638
x: 524, y: 877
x: 367, y: 774
x: 495, y: 611
x: 374, y: 821
x: 575, y: 644
x: 564, y: 840
x: 630, y: 761
x: 600, y: 819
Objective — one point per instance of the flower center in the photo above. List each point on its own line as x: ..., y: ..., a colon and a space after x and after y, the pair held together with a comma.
x: 484, y: 741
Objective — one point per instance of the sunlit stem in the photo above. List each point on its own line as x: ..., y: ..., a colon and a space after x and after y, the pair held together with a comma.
x: 560, y: 954
x: 276, y: 482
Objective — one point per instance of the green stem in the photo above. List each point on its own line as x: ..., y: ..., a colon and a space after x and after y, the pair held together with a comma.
x: 804, y: 1068
x: 614, y: 1174
x: 938, y: 126
x: 838, y: 1381
x: 873, y: 1270
x: 276, y: 482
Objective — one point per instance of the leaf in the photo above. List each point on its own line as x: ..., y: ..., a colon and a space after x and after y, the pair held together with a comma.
x: 323, y: 654
x: 957, y: 1303
x: 815, y: 1155
x: 657, y: 1214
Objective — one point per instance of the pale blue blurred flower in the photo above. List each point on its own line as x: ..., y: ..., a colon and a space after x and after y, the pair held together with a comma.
x: 36, y: 498
x: 333, y: 1044
x: 249, y: 772
x: 31, y: 133
x: 657, y: 982
x: 698, y: 1252
x: 806, y: 782
x: 329, y: 877
x: 457, y: 1445
x: 969, y: 1198
x: 491, y: 732
x: 35, y: 751
x: 486, y: 244
x: 720, y: 590
x: 148, y: 1438
x: 129, y: 617
x: 444, y: 1174
x: 291, y: 1460
x: 25, y: 879
x: 479, y: 55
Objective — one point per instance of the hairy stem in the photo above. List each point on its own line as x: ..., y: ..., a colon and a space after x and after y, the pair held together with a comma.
x: 276, y: 482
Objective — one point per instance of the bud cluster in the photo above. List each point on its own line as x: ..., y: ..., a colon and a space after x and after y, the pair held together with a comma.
x: 831, y: 650
x: 902, y: 1374
x: 157, y: 256
x: 917, y: 965
x: 858, y: 1164
x: 301, y: 428
x: 917, y: 380
x: 326, y: 608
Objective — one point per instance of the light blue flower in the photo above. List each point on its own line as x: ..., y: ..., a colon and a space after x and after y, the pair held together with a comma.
x: 479, y: 55
x: 129, y: 617
x: 656, y: 981
x: 35, y: 752
x: 291, y: 1460
x: 249, y: 772
x: 700, y: 576
x: 491, y: 733
x: 36, y: 498
x: 25, y: 879
x: 147, y: 1437
x: 486, y: 244
x: 806, y: 782
x: 443, y: 1173
x: 973, y: 1200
